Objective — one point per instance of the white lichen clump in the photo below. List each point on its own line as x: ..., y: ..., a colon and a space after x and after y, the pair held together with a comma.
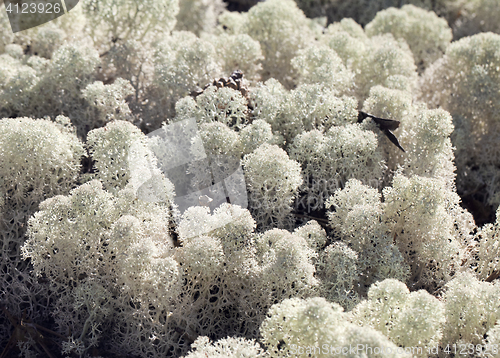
x: 283, y: 224
x: 466, y: 82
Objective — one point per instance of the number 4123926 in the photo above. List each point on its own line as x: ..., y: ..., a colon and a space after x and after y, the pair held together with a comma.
x: 32, y: 8
x: 468, y: 349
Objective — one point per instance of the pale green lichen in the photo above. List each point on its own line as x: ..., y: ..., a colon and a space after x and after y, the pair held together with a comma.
x: 330, y: 213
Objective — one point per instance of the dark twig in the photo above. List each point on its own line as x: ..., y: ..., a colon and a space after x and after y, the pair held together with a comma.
x: 385, y: 125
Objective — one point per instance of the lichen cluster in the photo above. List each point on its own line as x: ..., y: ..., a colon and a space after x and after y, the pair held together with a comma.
x: 121, y: 117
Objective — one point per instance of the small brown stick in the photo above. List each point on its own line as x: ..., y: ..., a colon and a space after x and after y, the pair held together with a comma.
x: 494, y: 275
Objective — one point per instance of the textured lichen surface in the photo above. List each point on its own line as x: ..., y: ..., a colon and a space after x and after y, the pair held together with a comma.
x: 178, y: 180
